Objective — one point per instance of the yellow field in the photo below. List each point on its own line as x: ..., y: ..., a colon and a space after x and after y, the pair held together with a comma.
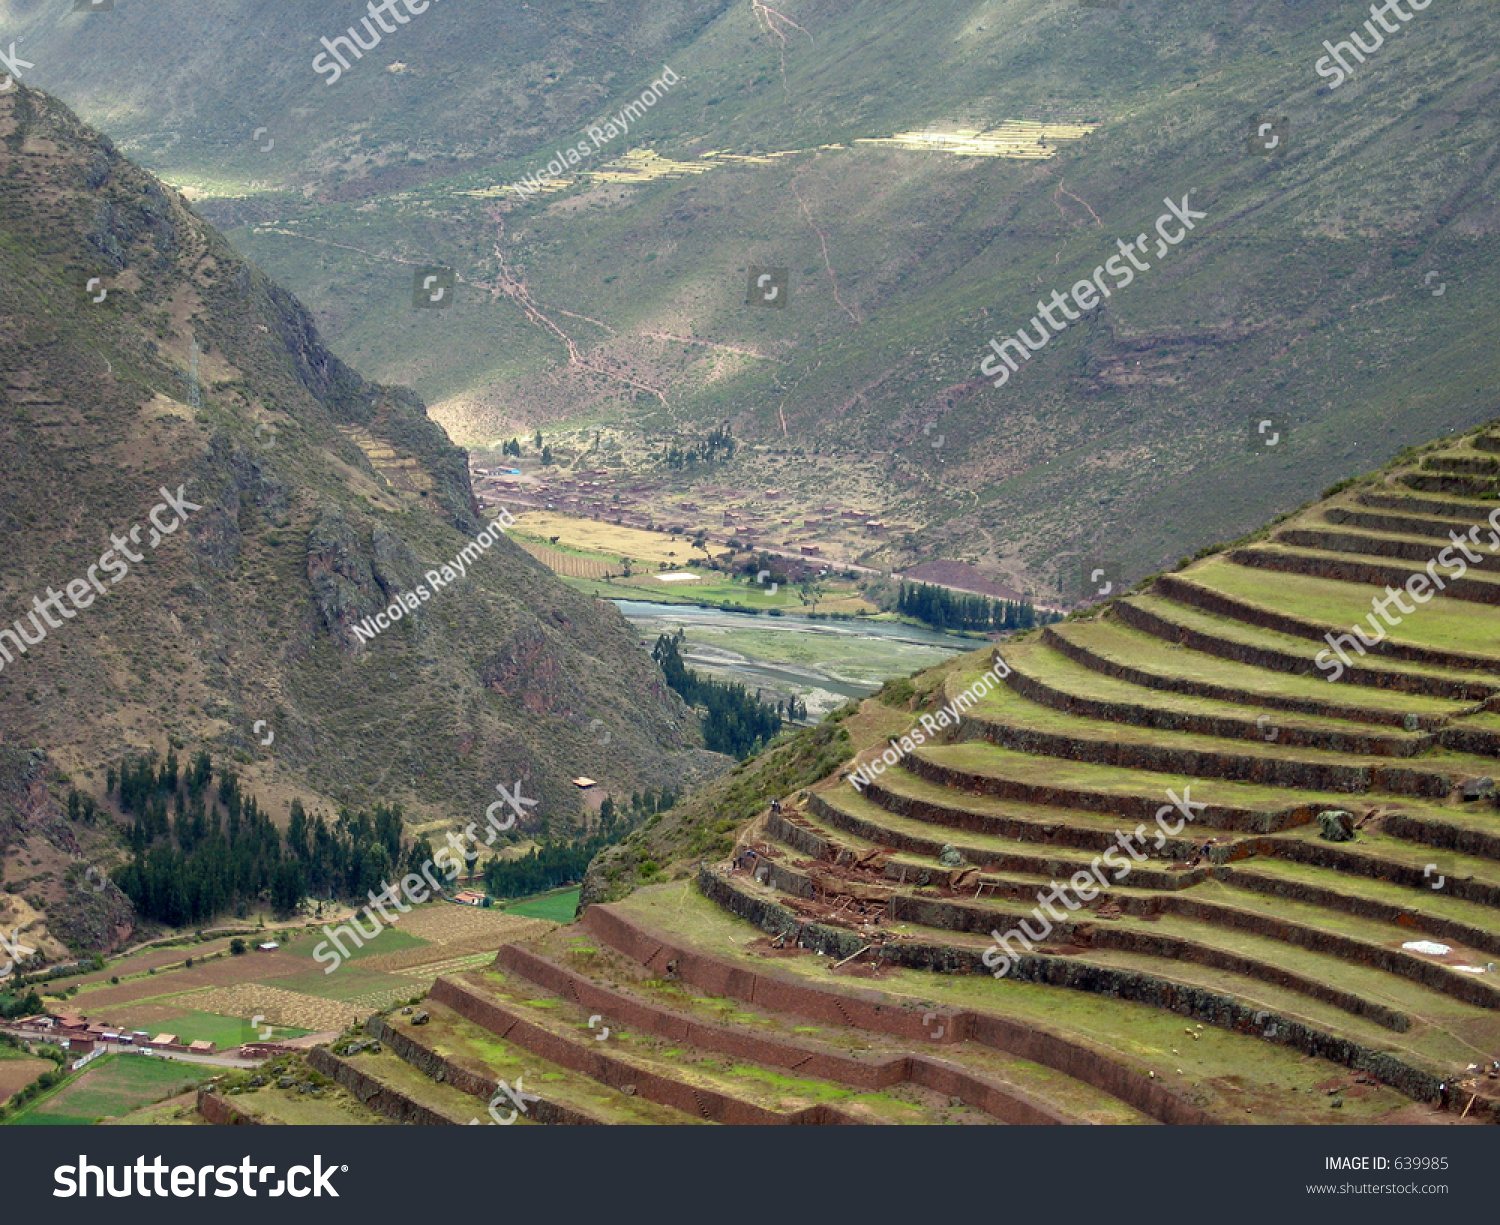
x: 643, y: 548
x: 1015, y: 138
x: 569, y: 565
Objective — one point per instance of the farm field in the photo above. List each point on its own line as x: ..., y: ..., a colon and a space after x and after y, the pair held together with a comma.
x: 556, y: 907
x: 604, y: 540
x: 217, y: 1000
x: 18, y: 1070
x: 112, y: 1086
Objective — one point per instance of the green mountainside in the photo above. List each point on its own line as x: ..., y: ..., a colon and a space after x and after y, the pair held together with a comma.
x: 1337, y: 288
x: 144, y: 364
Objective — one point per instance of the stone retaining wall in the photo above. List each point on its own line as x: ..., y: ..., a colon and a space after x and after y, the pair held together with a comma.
x: 869, y: 1010
x: 1469, y: 465
x: 1464, y: 512
x: 1006, y: 1103
x: 1194, y: 687
x: 1443, y: 835
x: 381, y: 1098
x: 598, y: 1065
x: 1140, y: 715
x: 1346, y: 570
x: 1459, y: 486
x: 221, y: 1112
x: 1211, y: 1008
x: 1127, y: 807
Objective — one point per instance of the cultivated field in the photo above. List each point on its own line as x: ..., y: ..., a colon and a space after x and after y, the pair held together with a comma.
x: 19, y: 1071
x: 217, y: 1000
x: 115, y: 1085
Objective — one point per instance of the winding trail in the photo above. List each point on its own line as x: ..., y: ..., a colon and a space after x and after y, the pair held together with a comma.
x: 827, y: 263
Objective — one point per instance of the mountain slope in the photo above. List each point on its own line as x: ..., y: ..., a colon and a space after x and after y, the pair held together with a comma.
x: 620, y: 301
x: 309, y: 500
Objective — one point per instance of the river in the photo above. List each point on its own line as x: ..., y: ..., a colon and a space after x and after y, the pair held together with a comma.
x: 824, y: 663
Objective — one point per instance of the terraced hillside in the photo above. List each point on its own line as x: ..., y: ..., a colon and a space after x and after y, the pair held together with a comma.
x: 1264, y: 961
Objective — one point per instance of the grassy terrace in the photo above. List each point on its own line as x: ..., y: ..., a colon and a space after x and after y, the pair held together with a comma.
x: 1006, y: 707
x: 1118, y: 643
x: 991, y: 761
x: 1275, y: 551
x: 771, y: 1089
x: 1452, y: 625
x: 1047, y: 666
x: 476, y: 1048
x: 1245, y: 634
x: 1420, y: 901
x: 1224, y: 1072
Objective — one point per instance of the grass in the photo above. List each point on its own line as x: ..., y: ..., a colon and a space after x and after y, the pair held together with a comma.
x: 1113, y: 641
x: 557, y: 907
x: 1058, y: 672
x: 1455, y: 625
x: 112, y: 1086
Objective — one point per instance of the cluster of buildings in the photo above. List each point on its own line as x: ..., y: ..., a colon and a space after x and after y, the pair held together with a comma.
x: 79, y: 1036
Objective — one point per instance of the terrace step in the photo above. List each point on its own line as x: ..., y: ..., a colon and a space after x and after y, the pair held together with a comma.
x: 1282, y: 653
x: 1115, y: 650
x: 692, y: 1086
x: 1289, y: 560
x: 1441, y: 507
x: 1434, y: 527
x: 1049, y: 678
x: 768, y: 987
x: 1200, y: 936
x: 903, y: 813
x: 1372, y: 544
x: 1006, y: 719
x: 1005, y: 1102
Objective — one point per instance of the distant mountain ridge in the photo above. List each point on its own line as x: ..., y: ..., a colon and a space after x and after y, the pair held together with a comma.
x: 1340, y: 279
